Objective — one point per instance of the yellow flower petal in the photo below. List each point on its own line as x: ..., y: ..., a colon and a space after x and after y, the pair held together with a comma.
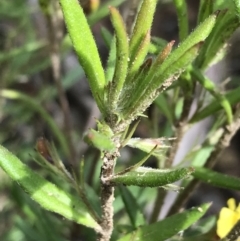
x: 238, y: 209
x: 231, y: 203
x: 225, y: 222
x: 228, y: 217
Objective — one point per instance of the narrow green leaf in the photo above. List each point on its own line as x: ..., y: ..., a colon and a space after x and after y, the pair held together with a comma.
x: 216, y: 178
x: 133, y: 84
x: 145, y: 74
x: 140, y: 194
x: 181, y: 7
x: 148, y: 177
x: 85, y: 47
x: 168, y: 227
x: 107, y: 36
x: 208, y: 85
x: 226, y: 24
x: 187, y: 51
x: 35, y: 106
x: 128, y: 134
x: 138, y: 61
x: 142, y: 25
x: 45, y: 193
x: 137, y: 165
x: 233, y: 98
x: 180, y: 64
x: 199, y: 232
x: 163, y: 105
x: 197, y: 36
x: 132, y: 208
x: 214, y: 34
x: 99, y: 140
x: 147, y: 144
x: 205, y: 9
x: 143, y: 97
x: 28, y: 232
x: 222, y: 4
x: 121, y: 58
x: 111, y: 62
x: 160, y: 42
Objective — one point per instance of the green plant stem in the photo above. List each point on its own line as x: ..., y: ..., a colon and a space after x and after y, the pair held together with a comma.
x: 223, y: 142
x: 181, y: 8
x: 55, y: 31
x: 31, y: 103
x: 208, y: 85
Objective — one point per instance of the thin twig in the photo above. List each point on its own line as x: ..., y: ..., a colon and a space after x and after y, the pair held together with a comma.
x: 180, y: 129
x: 224, y: 142
x: 55, y: 24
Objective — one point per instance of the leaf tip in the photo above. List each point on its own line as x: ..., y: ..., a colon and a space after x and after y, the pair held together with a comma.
x: 112, y: 9
x: 216, y: 13
x: 171, y: 43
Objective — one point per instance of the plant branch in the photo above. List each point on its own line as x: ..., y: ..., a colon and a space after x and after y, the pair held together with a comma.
x: 107, y: 196
x: 55, y: 23
x: 223, y: 142
x: 180, y: 129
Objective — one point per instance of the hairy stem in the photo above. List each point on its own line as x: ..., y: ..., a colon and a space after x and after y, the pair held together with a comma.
x: 107, y: 197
